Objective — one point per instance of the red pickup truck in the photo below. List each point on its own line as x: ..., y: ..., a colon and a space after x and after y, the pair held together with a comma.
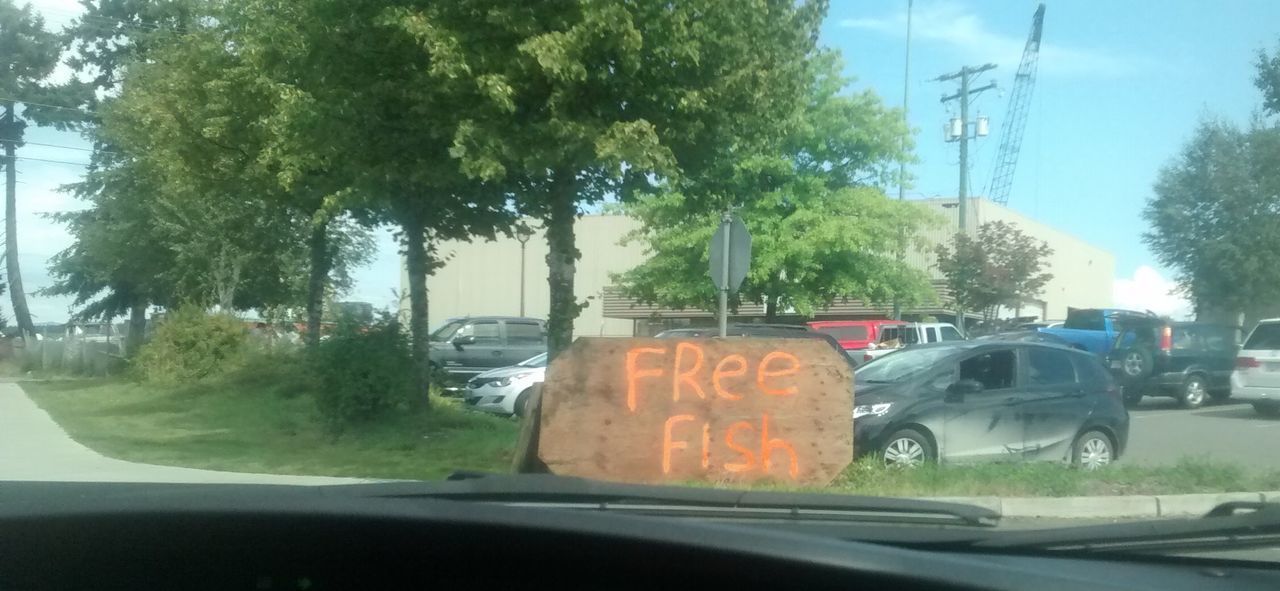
x: 854, y: 334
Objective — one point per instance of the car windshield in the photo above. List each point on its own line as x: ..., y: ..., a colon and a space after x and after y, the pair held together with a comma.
x: 446, y: 332
x: 903, y: 365
x: 338, y: 241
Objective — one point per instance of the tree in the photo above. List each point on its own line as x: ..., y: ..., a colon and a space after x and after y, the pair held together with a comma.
x: 820, y: 230
x: 1212, y: 216
x: 196, y: 111
x: 120, y: 261
x: 28, y: 55
x: 588, y: 99
x: 1001, y: 266
x: 362, y: 99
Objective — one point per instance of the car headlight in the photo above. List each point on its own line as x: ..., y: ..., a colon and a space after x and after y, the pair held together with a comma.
x: 875, y: 410
x: 502, y: 382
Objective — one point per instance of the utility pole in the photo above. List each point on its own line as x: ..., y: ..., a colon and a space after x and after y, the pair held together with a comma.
x: 902, y: 164
x: 959, y: 130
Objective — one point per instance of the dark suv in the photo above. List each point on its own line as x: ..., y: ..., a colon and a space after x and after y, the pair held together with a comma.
x: 1189, y: 361
x: 465, y: 347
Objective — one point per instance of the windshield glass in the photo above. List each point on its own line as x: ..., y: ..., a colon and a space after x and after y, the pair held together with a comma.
x: 446, y: 332
x: 337, y: 241
x: 1085, y: 320
x: 847, y: 333
x: 903, y: 365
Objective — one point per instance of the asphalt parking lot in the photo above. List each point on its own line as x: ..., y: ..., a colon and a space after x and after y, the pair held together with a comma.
x: 1160, y: 433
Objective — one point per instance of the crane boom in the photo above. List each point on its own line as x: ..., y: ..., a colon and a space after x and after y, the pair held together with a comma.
x: 1015, y: 120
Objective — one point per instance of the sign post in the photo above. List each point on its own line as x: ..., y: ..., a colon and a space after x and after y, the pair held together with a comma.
x: 714, y: 410
x: 730, y: 259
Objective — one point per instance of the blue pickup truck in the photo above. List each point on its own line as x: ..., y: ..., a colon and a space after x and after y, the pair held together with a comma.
x: 1094, y: 329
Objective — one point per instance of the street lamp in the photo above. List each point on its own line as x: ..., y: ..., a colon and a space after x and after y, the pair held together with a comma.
x: 523, y: 234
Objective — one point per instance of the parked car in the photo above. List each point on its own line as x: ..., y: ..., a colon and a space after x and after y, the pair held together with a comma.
x: 506, y: 390
x: 1026, y: 336
x: 854, y: 335
x: 989, y: 400
x: 1093, y: 329
x: 777, y: 331
x: 464, y: 347
x: 893, y: 338
x: 1189, y: 361
x: 1256, y: 378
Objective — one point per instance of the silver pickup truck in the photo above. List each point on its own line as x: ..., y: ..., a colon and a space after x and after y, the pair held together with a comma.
x: 893, y: 338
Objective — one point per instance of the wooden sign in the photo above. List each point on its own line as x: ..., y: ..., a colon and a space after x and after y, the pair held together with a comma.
x: 719, y: 410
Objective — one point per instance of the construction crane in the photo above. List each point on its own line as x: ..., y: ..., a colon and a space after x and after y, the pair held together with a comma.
x: 1015, y: 119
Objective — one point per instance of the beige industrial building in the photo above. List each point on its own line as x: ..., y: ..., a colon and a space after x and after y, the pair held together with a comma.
x: 484, y: 278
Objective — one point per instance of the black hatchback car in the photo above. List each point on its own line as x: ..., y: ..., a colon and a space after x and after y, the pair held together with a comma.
x: 1189, y: 361
x: 989, y: 400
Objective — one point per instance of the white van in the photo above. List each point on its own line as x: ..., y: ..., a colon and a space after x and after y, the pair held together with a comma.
x: 1256, y: 378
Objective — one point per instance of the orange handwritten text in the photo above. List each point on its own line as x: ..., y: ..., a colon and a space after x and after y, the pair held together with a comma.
x: 706, y: 445
x: 633, y: 373
x: 680, y: 378
x: 768, y: 445
x: 763, y: 371
x: 722, y: 372
x: 749, y: 459
x: 667, y: 444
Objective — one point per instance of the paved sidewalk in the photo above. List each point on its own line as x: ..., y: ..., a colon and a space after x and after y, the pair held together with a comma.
x: 34, y: 447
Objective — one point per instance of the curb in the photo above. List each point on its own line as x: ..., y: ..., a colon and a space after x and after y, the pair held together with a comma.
x: 1147, y: 506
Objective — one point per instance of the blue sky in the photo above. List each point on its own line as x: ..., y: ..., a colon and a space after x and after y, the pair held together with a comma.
x: 1120, y: 87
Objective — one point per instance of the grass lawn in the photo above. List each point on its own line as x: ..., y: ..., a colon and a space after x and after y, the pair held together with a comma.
x: 243, y: 424
x: 260, y: 421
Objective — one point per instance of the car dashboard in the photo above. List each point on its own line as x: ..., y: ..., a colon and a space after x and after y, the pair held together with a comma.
x: 268, y: 538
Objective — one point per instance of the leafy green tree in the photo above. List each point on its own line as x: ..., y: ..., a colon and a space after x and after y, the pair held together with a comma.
x: 999, y: 267
x: 121, y: 259
x: 820, y: 230
x: 28, y: 55
x: 362, y: 99
x: 1213, y: 216
x: 197, y: 112
x: 582, y: 100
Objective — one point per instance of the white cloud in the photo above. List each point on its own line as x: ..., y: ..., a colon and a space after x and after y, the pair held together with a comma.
x: 965, y: 33
x: 1148, y: 290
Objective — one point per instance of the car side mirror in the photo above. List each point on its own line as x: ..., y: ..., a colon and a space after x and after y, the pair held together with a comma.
x: 458, y: 342
x: 958, y: 390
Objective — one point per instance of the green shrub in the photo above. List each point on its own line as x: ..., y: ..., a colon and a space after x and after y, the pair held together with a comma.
x: 361, y: 372
x: 191, y: 344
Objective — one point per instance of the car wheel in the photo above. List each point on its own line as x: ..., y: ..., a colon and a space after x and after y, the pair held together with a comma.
x: 1267, y: 410
x: 907, y: 448
x: 1093, y: 450
x: 522, y: 401
x: 1136, y: 364
x: 1194, y: 392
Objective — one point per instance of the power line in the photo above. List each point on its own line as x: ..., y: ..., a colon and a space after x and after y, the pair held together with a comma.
x: 52, y: 161
x: 8, y: 140
x: 26, y: 102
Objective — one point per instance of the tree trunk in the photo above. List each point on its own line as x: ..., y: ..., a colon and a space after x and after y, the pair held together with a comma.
x: 19, y: 297
x: 418, y: 265
x: 770, y: 309
x: 561, y: 258
x: 318, y: 279
x: 137, y: 328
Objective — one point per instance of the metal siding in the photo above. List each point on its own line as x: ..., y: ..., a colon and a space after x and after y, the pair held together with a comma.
x: 482, y: 278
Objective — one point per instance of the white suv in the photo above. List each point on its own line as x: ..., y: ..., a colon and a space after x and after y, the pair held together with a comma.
x: 1256, y: 378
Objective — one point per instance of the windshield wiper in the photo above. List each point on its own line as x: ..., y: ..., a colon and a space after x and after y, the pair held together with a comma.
x: 549, y: 491
x: 1233, y: 525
